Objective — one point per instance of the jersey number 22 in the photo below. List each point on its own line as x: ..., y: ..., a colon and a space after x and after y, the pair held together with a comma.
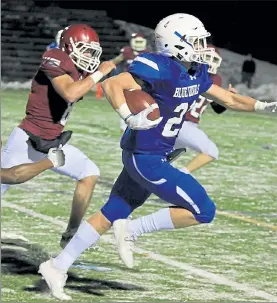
x: 168, y: 128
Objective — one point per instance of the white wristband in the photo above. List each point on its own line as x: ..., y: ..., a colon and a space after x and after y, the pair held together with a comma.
x: 124, y: 111
x: 259, y: 106
x: 96, y: 77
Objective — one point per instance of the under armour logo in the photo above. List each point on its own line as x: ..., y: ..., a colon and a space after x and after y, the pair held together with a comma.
x: 192, y: 77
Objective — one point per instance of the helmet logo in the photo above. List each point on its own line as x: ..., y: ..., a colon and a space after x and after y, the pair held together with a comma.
x: 166, y: 24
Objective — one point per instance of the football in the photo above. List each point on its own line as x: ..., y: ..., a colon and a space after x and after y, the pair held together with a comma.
x: 138, y: 100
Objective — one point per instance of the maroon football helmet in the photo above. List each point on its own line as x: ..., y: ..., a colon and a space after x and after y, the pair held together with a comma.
x: 81, y: 43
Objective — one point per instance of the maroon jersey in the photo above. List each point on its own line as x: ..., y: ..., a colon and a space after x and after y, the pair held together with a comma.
x: 129, y: 55
x: 46, y: 110
x: 195, y: 113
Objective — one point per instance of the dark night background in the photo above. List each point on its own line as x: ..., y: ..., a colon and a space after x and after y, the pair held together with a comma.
x: 241, y: 26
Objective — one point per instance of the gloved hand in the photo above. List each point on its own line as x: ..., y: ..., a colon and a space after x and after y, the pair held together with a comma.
x: 140, y: 120
x: 56, y: 156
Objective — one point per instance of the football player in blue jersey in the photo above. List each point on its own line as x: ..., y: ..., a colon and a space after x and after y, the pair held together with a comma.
x: 174, y: 77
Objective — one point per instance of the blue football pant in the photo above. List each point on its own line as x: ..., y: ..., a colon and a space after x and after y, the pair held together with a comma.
x: 146, y: 174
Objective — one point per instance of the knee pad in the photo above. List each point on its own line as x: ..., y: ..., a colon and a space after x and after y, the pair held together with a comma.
x: 116, y: 208
x: 207, y: 211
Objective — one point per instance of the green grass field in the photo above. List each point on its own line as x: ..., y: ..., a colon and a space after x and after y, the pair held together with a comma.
x: 232, y: 259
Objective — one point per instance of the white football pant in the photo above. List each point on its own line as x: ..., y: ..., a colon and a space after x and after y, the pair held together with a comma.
x: 18, y: 150
x: 191, y: 136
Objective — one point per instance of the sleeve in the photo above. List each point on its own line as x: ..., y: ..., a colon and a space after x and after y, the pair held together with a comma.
x: 217, y: 80
x: 56, y: 63
x: 206, y: 80
x: 125, y: 53
x: 146, y: 68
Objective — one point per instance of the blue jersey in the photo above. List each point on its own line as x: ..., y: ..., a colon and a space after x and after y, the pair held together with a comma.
x: 52, y: 45
x: 175, y: 91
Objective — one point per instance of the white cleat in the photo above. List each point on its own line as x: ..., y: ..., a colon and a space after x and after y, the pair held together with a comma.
x: 55, y: 279
x: 125, y: 242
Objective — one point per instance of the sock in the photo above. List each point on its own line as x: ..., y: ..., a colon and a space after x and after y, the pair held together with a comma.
x: 154, y: 222
x: 85, y: 237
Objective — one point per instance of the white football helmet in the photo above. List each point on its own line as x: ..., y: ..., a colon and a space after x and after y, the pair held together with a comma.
x: 183, y: 36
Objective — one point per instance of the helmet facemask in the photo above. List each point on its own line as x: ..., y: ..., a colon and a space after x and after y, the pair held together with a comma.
x: 138, y: 44
x: 214, y: 62
x: 195, y: 49
x: 86, y: 55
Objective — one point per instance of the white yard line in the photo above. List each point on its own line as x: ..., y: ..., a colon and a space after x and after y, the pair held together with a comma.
x: 218, y: 279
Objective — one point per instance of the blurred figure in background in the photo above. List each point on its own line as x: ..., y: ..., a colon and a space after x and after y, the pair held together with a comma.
x: 56, y: 42
x: 137, y: 46
x: 248, y: 70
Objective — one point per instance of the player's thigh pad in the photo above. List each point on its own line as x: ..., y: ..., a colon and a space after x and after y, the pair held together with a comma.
x: 194, y: 138
x: 158, y: 176
x: 126, y: 195
x: 77, y: 165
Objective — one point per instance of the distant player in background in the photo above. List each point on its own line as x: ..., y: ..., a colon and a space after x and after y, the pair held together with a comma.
x: 248, y: 70
x: 56, y: 42
x: 138, y: 45
x: 190, y: 135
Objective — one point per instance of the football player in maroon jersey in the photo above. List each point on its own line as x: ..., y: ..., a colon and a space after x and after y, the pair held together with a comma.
x: 138, y: 45
x: 64, y: 76
x: 190, y: 135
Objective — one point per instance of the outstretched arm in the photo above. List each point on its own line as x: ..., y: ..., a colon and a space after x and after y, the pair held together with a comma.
x: 72, y: 90
x: 118, y: 59
x: 24, y: 172
x: 219, y: 109
x: 239, y: 102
